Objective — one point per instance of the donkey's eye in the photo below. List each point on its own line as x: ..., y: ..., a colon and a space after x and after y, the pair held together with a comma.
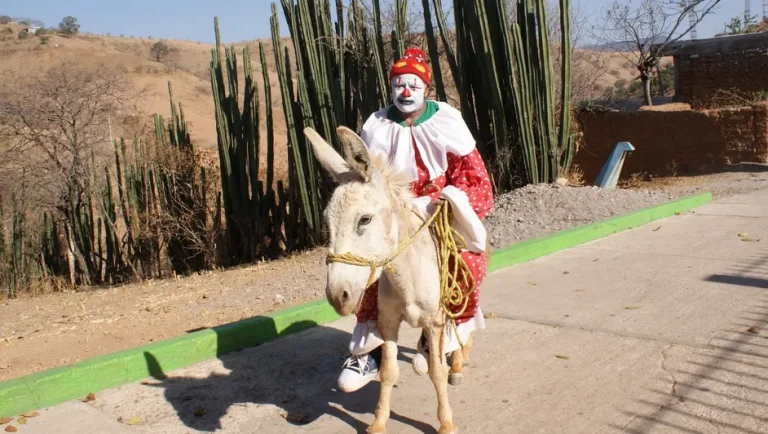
x: 364, y: 220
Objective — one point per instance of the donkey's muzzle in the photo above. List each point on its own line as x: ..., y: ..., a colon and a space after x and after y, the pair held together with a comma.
x: 341, y: 297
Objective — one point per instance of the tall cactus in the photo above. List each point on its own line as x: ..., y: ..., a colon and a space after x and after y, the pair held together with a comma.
x: 505, y: 85
x: 434, y: 55
x: 535, y: 90
x: 3, y: 249
x: 566, y: 140
x: 401, y: 19
x: 305, y: 175
x: 18, y: 270
x: 255, y: 214
x: 2, y: 230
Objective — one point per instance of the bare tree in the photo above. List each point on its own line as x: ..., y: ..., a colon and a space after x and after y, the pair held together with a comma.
x: 646, y: 29
x: 58, y: 121
x: 54, y: 127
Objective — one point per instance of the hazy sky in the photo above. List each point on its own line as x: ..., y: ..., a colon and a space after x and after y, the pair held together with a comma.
x: 239, y: 19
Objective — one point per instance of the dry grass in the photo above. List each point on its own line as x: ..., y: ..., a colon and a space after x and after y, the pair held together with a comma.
x: 575, y: 176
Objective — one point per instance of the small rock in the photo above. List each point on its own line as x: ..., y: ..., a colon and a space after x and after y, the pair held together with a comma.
x: 279, y: 298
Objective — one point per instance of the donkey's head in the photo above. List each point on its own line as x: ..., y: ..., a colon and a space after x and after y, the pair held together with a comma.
x: 362, y: 216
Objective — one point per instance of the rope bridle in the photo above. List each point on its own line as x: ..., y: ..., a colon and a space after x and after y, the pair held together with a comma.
x: 449, y: 244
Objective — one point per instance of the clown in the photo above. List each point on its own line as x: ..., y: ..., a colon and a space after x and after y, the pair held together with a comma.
x: 430, y: 141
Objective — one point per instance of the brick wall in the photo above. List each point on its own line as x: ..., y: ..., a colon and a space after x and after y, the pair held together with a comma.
x: 688, y: 140
x: 700, y: 76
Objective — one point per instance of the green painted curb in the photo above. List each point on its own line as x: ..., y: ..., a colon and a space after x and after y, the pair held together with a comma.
x: 76, y: 381
x: 54, y: 386
x: 532, y: 249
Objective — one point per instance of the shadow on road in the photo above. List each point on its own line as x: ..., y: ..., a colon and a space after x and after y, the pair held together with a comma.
x: 297, y: 375
x: 724, y: 386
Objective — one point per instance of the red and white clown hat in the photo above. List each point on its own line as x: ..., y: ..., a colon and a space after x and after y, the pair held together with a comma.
x: 412, y: 62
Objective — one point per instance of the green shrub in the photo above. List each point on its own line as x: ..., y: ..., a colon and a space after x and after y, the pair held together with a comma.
x: 41, y: 31
x: 159, y: 50
x: 69, y: 26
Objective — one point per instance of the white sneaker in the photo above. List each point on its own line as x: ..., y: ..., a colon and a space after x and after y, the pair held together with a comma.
x: 357, y: 372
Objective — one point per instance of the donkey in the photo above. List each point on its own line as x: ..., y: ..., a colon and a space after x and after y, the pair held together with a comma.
x: 368, y: 216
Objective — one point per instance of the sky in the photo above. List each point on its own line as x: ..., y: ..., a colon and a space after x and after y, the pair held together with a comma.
x: 238, y: 19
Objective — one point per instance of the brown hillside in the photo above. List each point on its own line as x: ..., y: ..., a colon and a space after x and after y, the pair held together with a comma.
x: 187, y: 68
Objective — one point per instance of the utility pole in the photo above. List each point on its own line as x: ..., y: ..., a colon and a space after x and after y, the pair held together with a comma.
x: 692, y: 18
x: 692, y: 22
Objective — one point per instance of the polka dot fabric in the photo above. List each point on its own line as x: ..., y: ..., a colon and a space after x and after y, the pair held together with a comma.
x: 468, y: 173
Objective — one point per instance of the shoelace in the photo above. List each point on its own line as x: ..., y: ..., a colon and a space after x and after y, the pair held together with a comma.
x: 362, y: 367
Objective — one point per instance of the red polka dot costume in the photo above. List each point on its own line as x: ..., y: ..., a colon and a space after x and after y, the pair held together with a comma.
x: 439, y: 153
x: 470, y: 175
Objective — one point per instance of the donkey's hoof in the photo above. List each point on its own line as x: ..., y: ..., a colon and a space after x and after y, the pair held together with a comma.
x: 376, y: 429
x: 448, y: 429
x: 454, y: 378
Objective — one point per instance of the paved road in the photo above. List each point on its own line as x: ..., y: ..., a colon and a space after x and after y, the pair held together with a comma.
x: 654, y: 322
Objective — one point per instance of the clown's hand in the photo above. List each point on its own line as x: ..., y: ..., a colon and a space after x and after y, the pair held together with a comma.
x: 425, y: 206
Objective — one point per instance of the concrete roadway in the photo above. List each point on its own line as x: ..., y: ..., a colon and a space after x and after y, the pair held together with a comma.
x: 657, y: 326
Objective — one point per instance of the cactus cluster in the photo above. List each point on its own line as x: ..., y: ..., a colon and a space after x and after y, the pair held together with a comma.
x: 154, y: 206
x: 504, y: 78
x: 502, y: 73
x: 251, y: 203
x: 128, y: 228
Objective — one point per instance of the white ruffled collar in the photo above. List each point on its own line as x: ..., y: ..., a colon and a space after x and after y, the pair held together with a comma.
x: 443, y: 132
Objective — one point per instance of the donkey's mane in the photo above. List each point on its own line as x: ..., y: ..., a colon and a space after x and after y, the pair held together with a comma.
x: 396, y: 181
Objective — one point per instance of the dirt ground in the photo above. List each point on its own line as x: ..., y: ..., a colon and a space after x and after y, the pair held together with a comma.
x: 38, y: 333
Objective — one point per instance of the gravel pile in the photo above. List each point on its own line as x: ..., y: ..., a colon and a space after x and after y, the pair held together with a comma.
x: 538, y: 210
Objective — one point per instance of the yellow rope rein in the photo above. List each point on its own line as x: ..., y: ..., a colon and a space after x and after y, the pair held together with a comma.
x: 449, y: 245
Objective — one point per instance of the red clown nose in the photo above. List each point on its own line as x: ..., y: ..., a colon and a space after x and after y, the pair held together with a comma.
x: 406, y: 93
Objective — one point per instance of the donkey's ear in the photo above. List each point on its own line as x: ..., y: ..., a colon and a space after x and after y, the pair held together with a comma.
x: 331, y: 161
x: 356, y: 152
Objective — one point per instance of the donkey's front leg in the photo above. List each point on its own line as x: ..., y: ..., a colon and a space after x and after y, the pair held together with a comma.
x: 438, y: 373
x: 388, y: 372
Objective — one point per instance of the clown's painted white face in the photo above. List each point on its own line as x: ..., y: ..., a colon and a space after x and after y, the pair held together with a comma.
x: 408, y: 92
